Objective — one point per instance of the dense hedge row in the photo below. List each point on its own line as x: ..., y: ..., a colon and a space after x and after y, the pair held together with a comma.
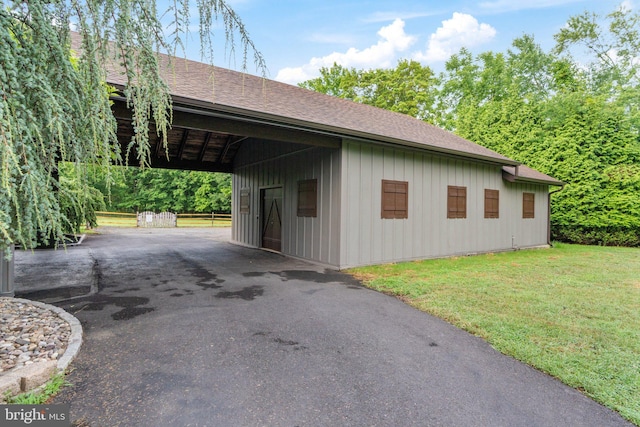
x: 606, y: 236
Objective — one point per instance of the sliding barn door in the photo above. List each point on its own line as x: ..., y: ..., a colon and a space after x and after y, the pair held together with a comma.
x: 272, y: 218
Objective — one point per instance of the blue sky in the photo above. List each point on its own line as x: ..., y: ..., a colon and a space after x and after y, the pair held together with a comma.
x: 297, y: 37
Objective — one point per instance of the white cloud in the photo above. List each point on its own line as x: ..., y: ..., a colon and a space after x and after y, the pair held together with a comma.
x: 626, y: 5
x: 393, y: 39
x: 294, y: 75
x: 461, y: 30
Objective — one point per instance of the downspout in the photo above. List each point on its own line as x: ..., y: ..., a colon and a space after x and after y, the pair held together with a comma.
x: 7, y: 272
x: 549, y: 213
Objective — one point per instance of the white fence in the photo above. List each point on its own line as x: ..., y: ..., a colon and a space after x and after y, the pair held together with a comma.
x: 160, y: 220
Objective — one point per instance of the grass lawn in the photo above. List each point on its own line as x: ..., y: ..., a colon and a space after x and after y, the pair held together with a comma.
x: 130, y: 221
x: 571, y: 311
x: 116, y: 221
x: 203, y: 222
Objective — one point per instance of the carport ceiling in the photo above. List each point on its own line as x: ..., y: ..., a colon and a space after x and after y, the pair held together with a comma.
x: 187, y: 148
x: 207, y: 140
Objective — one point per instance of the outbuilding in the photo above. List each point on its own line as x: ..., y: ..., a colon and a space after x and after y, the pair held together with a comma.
x: 345, y: 184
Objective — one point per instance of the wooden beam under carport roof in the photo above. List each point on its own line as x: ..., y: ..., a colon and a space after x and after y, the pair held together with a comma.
x: 231, y: 140
x: 206, y: 121
x: 183, y: 143
x: 205, y: 144
x: 192, y: 165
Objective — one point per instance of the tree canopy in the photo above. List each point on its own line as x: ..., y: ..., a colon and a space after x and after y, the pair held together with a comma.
x: 54, y: 104
x: 572, y: 112
x: 135, y: 189
x: 409, y: 88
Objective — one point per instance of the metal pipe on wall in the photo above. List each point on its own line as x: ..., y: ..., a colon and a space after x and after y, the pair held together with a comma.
x: 6, y: 274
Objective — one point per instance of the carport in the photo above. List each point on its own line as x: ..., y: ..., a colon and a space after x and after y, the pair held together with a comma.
x: 211, y: 125
x: 208, y: 140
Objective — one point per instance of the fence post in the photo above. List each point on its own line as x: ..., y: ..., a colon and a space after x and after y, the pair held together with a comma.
x: 6, y: 274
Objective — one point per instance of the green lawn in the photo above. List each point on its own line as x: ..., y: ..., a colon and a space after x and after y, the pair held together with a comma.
x: 203, y: 222
x: 116, y: 221
x: 571, y: 311
x: 130, y: 221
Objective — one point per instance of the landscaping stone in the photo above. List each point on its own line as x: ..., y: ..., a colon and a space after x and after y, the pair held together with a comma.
x: 25, y: 328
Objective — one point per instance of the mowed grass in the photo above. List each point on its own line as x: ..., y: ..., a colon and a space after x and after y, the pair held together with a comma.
x: 571, y: 311
x: 203, y: 222
x: 116, y: 221
x: 130, y: 221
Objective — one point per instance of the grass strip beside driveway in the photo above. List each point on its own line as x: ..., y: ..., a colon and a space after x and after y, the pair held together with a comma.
x: 571, y: 311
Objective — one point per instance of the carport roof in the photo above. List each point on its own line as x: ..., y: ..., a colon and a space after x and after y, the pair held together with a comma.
x: 213, y: 91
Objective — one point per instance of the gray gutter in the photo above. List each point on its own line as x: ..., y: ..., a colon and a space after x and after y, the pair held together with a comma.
x: 516, y: 178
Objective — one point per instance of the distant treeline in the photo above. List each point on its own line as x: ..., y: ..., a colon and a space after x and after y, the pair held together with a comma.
x: 135, y: 190
x: 132, y: 189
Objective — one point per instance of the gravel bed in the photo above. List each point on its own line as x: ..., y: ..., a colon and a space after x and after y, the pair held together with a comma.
x: 30, y: 334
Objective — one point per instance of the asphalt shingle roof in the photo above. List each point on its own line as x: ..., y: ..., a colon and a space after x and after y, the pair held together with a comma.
x: 222, y: 90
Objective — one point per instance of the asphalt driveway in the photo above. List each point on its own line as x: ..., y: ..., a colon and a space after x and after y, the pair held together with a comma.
x: 183, y: 328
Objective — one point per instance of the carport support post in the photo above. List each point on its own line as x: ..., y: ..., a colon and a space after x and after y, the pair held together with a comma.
x: 6, y: 274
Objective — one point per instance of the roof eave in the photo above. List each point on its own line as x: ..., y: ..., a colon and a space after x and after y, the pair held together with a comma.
x: 520, y: 179
x: 207, y: 108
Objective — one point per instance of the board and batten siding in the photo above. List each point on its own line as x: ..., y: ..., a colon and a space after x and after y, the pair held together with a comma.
x: 264, y: 164
x: 367, y: 239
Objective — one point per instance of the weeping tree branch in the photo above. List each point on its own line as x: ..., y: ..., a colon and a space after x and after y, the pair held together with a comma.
x: 54, y: 103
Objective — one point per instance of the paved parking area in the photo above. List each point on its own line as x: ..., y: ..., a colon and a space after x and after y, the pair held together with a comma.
x: 183, y: 328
